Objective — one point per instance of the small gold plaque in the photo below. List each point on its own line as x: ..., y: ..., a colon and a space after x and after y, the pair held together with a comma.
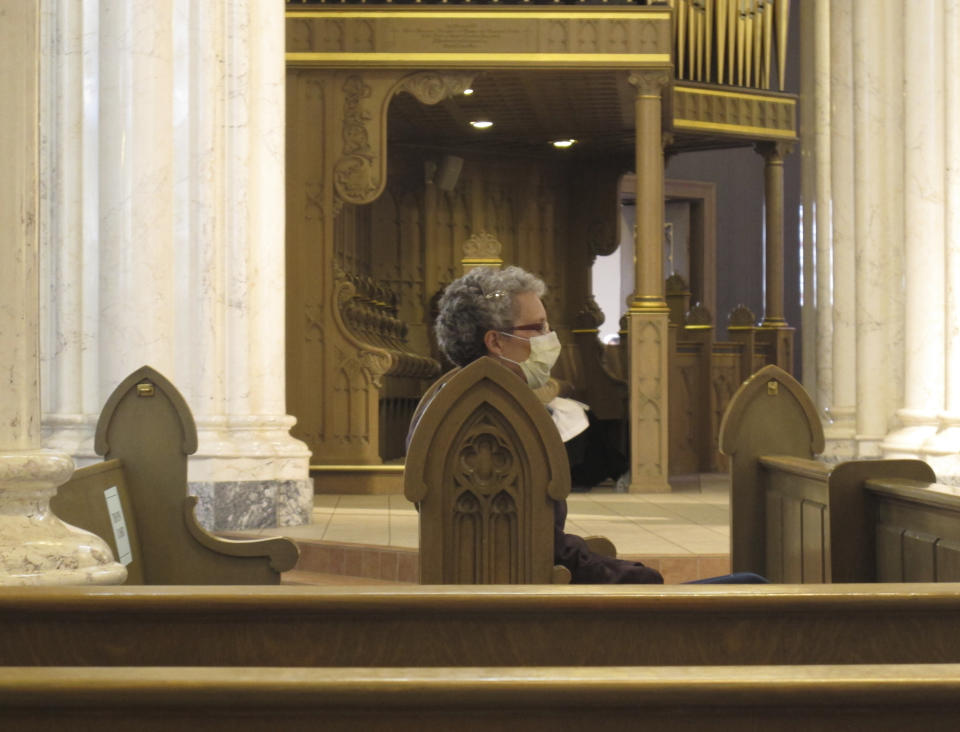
x: 773, y: 388
x: 145, y: 390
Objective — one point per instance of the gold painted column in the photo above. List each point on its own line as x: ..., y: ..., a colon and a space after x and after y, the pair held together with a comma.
x: 774, y: 324
x: 648, y: 316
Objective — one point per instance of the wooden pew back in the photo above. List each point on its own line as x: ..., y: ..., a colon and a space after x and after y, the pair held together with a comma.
x: 145, y: 432
x: 917, y: 530
x: 453, y: 625
x: 795, y: 519
x: 683, y: 699
x: 485, y: 464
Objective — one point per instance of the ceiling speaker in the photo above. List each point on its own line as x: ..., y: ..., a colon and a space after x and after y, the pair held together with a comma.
x: 449, y: 172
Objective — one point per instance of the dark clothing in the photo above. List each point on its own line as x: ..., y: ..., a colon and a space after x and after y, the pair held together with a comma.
x: 597, y: 454
x: 589, y: 568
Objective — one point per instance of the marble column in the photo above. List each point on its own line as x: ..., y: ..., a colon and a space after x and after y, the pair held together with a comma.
x: 942, y: 451
x: 648, y: 314
x: 870, y: 223
x: 816, y: 325
x: 838, y: 293
x: 165, y: 186
x: 36, y: 548
x: 923, y: 207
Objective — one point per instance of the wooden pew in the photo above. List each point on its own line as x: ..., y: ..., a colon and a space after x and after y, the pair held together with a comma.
x: 678, y: 699
x: 447, y: 626
x: 136, y: 500
x: 796, y: 519
x: 484, y: 466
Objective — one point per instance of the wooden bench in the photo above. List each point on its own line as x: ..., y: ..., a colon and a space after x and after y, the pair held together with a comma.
x: 137, y: 498
x: 677, y: 699
x: 485, y: 464
x: 796, y: 519
x: 686, y: 625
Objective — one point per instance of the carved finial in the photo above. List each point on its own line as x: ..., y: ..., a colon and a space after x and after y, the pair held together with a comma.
x: 590, y: 316
x: 699, y: 315
x: 676, y: 285
x: 481, y: 250
x: 742, y: 317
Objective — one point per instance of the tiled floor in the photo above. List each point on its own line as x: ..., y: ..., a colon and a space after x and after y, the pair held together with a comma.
x: 685, y: 533
x: 692, y: 519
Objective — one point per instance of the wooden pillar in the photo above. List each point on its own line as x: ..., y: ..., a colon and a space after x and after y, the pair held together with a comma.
x: 648, y: 316
x: 778, y: 333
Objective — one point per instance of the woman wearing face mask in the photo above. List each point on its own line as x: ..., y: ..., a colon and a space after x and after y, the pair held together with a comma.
x: 499, y: 313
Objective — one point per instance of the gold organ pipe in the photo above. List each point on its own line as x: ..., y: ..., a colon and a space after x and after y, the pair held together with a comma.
x: 681, y: 37
x: 748, y: 45
x: 721, y: 18
x: 732, y: 17
x: 698, y: 19
x: 758, y: 43
x: 692, y: 40
x: 767, y: 43
x: 741, y: 37
x: 708, y: 48
x: 783, y: 17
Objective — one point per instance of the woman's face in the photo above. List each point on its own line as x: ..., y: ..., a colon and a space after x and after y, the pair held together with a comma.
x: 529, y: 319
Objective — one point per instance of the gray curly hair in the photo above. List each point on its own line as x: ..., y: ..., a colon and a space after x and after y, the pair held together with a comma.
x: 479, y: 301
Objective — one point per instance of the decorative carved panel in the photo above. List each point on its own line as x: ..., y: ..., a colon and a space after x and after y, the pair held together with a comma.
x: 484, y: 464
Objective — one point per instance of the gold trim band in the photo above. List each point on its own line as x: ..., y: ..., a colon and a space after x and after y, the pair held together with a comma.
x: 508, y: 14
x: 373, y: 58
x: 585, y: 330
x: 690, y: 124
x: 677, y: 89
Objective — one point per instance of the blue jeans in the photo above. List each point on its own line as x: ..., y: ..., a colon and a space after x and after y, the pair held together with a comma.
x: 737, y: 578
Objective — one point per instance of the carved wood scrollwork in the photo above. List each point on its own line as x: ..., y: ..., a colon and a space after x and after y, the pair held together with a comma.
x: 368, y: 312
x: 430, y: 87
x: 354, y: 176
x: 359, y: 173
x: 650, y: 82
x: 486, y: 511
x: 590, y: 316
x: 486, y: 463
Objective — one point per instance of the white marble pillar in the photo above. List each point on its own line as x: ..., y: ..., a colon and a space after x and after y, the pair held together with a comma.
x: 169, y: 243
x: 816, y: 325
x: 923, y: 229
x: 943, y: 449
x: 839, y: 301
x: 36, y: 548
x: 870, y: 223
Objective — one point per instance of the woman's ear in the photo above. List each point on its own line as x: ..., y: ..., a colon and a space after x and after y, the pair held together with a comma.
x: 491, y: 339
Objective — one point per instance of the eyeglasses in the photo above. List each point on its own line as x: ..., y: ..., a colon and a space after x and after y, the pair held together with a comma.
x: 533, y: 328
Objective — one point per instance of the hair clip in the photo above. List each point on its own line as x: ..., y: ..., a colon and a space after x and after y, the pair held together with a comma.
x: 495, y: 295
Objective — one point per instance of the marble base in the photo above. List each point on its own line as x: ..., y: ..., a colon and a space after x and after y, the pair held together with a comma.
x: 36, y: 547
x: 839, y: 443
x: 869, y: 448
x: 918, y: 428
x: 71, y: 435
x: 252, y: 504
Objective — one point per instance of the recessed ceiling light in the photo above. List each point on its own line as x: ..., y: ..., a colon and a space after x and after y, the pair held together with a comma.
x: 467, y: 92
x: 481, y: 124
x: 564, y: 143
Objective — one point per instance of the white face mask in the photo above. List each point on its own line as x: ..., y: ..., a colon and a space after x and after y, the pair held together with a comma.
x: 544, y: 351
